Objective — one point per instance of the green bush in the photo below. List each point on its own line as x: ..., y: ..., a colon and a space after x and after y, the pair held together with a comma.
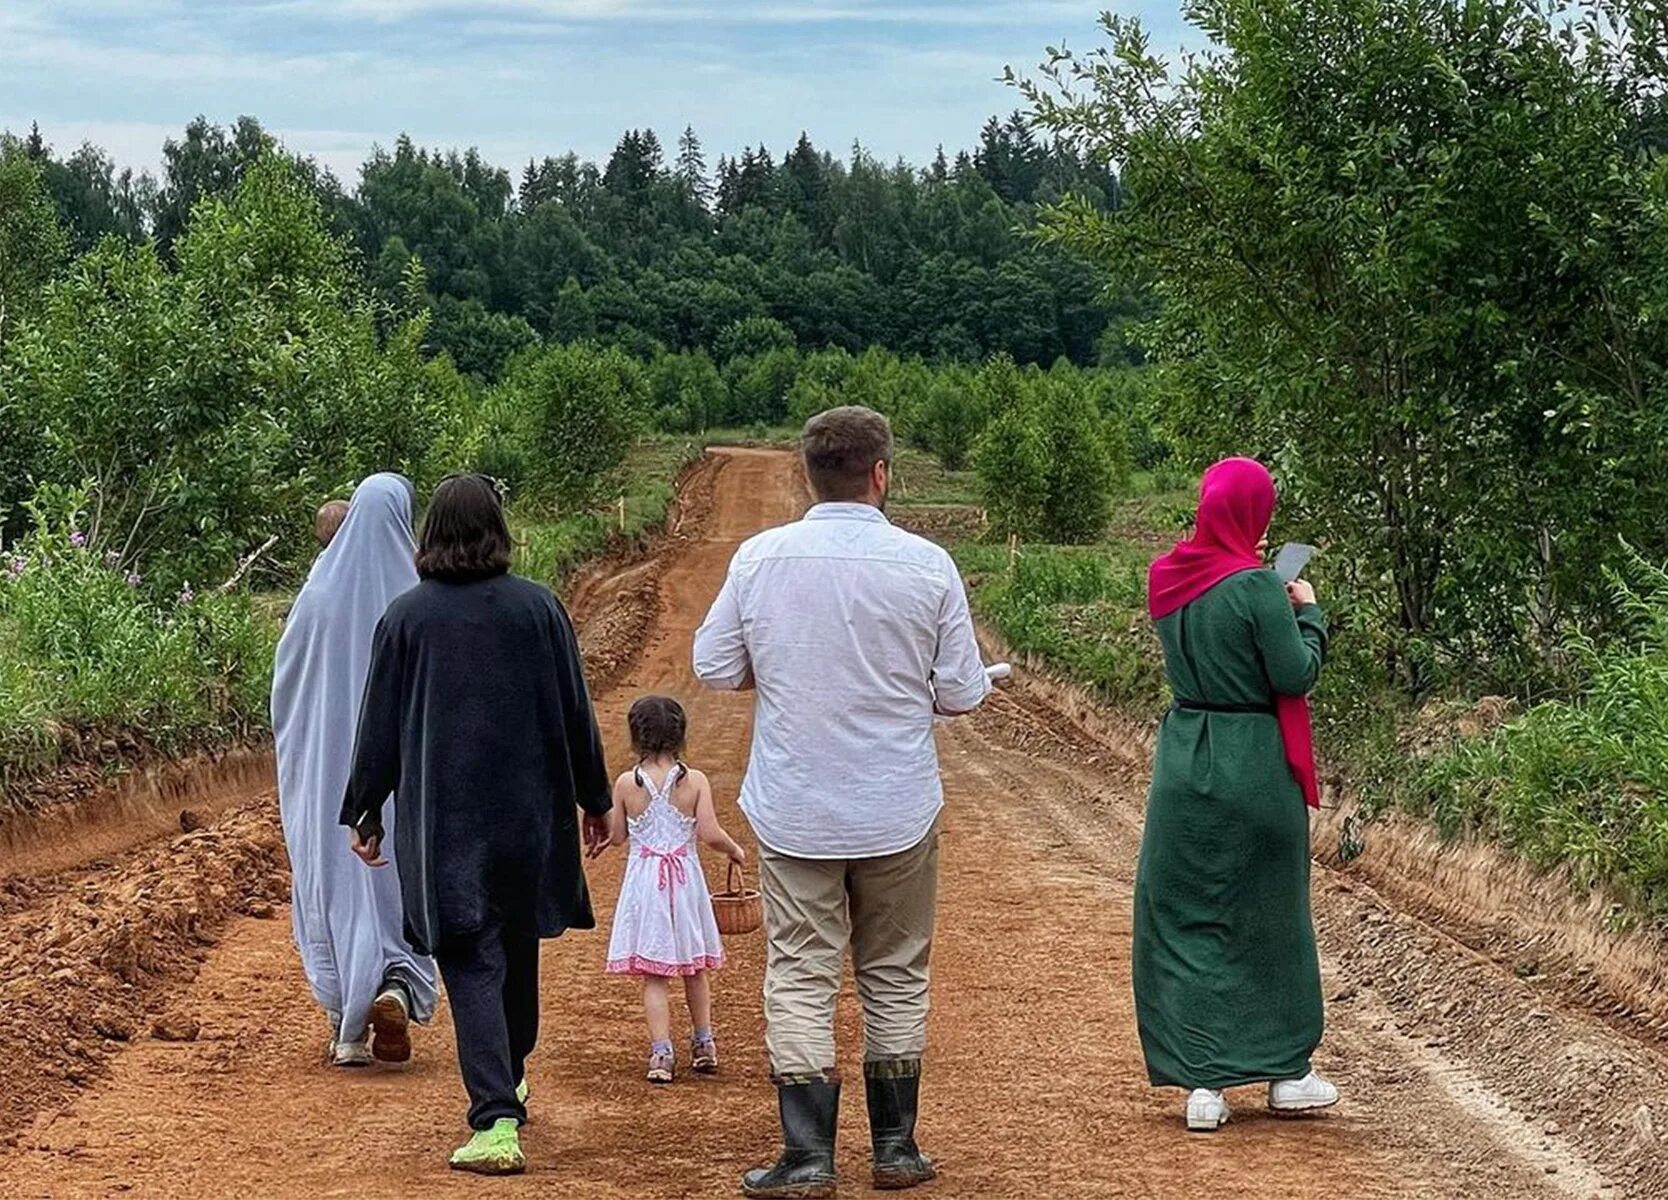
x: 820, y: 385
x: 1580, y: 783
x: 686, y: 393
x: 92, y: 648
x: 1043, y: 459
x: 751, y: 337
x: 209, y: 407
x: 759, y: 385
x: 951, y: 417
x: 583, y: 407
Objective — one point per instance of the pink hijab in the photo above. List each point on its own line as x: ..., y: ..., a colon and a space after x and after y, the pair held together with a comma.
x: 1236, y: 503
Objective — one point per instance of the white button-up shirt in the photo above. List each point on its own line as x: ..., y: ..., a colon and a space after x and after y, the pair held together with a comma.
x: 853, y: 632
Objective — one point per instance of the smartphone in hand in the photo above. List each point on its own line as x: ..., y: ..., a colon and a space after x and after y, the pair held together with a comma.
x: 1289, y: 564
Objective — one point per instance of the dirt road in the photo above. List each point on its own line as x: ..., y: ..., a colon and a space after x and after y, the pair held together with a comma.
x: 1035, y: 1085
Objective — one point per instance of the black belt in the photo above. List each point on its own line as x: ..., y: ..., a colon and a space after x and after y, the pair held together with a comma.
x: 1256, y: 710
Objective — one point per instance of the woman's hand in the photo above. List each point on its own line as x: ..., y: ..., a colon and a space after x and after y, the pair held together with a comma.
x: 738, y: 855
x: 1301, y: 592
x: 597, y: 835
x: 367, y: 847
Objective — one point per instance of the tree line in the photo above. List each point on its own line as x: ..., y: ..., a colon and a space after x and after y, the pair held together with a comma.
x: 655, y: 250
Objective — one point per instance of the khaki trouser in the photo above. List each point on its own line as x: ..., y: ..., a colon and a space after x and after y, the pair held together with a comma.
x: 813, y: 909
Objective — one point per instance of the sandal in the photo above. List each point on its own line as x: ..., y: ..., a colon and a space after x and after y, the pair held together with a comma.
x: 704, y: 1056
x: 660, y: 1067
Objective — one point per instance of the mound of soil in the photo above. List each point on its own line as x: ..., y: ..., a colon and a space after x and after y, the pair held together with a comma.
x: 82, y: 968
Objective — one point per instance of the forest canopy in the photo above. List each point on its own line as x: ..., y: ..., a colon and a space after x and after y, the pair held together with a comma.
x: 664, y: 249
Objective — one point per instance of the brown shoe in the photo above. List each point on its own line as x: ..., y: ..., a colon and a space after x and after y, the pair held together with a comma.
x: 391, y: 1026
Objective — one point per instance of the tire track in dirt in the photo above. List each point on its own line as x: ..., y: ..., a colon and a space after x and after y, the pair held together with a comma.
x: 1035, y: 1085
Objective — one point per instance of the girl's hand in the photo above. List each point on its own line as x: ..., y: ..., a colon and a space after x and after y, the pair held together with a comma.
x: 738, y: 855
x: 1301, y: 592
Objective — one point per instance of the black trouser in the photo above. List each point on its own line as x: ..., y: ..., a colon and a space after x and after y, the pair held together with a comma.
x: 492, y: 984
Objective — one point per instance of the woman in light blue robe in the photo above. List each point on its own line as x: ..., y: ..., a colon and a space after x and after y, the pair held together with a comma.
x: 348, y: 920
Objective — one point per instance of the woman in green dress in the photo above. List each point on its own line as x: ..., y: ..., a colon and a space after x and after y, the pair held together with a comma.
x: 1227, y: 980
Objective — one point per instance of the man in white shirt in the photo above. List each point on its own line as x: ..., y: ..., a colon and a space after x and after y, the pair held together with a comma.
x: 854, y: 634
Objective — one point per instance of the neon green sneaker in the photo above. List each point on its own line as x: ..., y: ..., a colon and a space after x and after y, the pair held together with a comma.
x: 495, y: 1151
x: 521, y: 1092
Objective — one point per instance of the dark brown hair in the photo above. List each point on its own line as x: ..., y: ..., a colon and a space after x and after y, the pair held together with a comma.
x: 841, y: 447
x: 658, y: 726
x: 465, y: 536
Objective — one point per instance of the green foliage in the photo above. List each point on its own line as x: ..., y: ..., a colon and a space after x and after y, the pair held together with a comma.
x: 820, y: 385
x: 686, y: 393
x: 32, y: 242
x: 91, y: 649
x: 1012, y: 455
x: 647, y: 253
x: 1580, y: 783
x: 951, y: 419
x: 1043, y: 459
x: 759, y: 385
x: 479, y: 341
x: 1439, y: 314
x: 1083, y: 611
x: 582, y: 406
x: 549, y: 546
x: 209, y: 407
x: 752, y: 337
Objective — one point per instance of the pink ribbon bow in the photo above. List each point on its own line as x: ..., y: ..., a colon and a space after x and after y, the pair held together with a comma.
x: 672, y: 871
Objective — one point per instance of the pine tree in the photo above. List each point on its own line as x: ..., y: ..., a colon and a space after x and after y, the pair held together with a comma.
x: 35, y: 147
x: 940, y: 172
x: 729, y: 186
x: 757, y: 179
x: 805, y: 181
x: 692, y: 168
x: 530, y: 197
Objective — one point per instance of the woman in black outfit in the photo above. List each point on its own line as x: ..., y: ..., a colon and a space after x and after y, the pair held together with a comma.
x: 477, y: 719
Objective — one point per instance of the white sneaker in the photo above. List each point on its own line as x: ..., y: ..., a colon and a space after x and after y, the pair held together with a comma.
x: 350, y: 1054
x: 1301, y: 1095
x: 1207, y: 1111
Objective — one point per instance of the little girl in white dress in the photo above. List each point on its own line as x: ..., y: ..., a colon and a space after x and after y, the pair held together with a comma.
x: 663, y: 923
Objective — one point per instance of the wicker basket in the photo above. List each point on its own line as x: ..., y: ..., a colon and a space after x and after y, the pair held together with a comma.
x: 737, y: 908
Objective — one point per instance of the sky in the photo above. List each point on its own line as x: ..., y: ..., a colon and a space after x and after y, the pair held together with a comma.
x: 526, y: 78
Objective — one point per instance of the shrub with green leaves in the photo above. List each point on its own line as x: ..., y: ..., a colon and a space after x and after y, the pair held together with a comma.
x: 1580, y: 783
x: 582, y: 407
x: 686, y: 392
x: 211, y: 406
x: 1082, y: 610
x: 91, y: 648
x: 1043, y: 459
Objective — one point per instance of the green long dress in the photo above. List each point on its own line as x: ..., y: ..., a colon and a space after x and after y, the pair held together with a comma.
x: 1227, y: 980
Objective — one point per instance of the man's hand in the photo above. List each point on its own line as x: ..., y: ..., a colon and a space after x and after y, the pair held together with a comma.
x: 596, y: 835
x: 367, y: 848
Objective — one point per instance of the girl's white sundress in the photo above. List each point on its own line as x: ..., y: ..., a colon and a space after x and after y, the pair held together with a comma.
x: 663, y: 923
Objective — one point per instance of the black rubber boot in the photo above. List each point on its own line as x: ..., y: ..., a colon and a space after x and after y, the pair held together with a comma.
x: 805, y: 1171
x: 894, y: 1093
